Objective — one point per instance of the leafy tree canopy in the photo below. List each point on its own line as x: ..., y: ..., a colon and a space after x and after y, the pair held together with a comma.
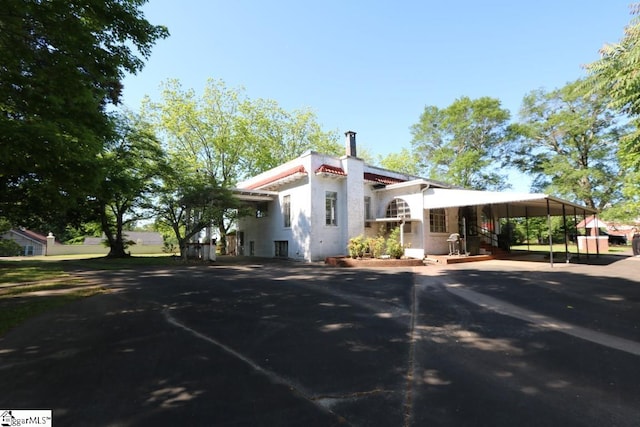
x: 132, y: 164
x: 616, y: 73
x: 227, y: 137
x: 62, y: 63
x: 218, y: 138
x: 405, y: 161
x: 568, y: 140
x: 461, y: 143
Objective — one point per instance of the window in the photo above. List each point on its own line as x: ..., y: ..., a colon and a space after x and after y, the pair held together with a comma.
x: 286, y: 210
x: 437, y: 221
x: 398, y: 208
x: 331, y: 201
x: 282, y: 248
x: 367, y: 210
x: 262, y: 210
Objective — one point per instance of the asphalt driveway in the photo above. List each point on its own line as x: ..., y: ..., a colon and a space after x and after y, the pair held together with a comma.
x: 289, y: 344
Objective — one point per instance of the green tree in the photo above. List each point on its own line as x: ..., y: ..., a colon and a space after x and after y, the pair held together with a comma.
x: 461, y: 144
x: 405, y: 161
x: 616, y: 73
x: 186, y: 205
x: 62, y: 63
x: 275, y: 136
x: 131, y: 165
x: 222, y: 137
x: 568, y: 141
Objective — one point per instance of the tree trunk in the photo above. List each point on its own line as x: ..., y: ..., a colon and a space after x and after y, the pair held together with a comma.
x: 117, y: 249
x: 116, y: 241
x: 223, y: 239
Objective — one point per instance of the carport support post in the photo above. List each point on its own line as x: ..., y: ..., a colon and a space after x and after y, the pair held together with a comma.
x: 566, y: 242
x: 596, y: 230
x: 549, y: 230
x: 586, y: 230
x: 508, y: 229
x: 526, y: 223
x: 575, y: 225
x: 464, y: 234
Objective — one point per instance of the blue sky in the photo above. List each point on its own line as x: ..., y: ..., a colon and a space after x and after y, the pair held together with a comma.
x: 372, y: 66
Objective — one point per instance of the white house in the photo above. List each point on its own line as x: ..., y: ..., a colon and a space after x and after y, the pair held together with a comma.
x: 310, y: 207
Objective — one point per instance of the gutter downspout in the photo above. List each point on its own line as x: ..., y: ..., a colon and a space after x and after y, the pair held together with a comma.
x: 424, y: 230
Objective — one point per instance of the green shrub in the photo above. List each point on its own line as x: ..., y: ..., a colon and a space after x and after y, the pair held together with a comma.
x: 9, y: 248
x: 357, y: 247
x: 394, y: 248
x: 376, y: 246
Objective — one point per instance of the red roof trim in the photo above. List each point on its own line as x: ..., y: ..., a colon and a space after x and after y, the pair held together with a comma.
x: 331, y: 169
x: 283, y: 174
x: 387, y: 180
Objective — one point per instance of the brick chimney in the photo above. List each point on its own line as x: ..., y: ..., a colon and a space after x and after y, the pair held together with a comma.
x: 351, y: 143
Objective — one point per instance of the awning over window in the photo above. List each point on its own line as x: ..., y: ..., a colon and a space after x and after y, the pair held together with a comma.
x: 503, y: 204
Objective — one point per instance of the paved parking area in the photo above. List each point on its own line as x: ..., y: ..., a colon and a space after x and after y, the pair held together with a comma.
x: 291, y: 344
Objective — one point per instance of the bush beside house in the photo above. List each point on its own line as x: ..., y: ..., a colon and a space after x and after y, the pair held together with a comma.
x: 359, y: 246
x: 9, y: 248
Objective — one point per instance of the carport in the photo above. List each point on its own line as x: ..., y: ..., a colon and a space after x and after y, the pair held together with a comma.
x: 511, y: 205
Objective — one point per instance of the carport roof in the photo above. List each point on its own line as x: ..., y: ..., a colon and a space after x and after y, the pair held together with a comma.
x: 503, y: 203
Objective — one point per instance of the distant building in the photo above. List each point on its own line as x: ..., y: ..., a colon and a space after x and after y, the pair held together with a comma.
x: 32, y: 243
x: 141, y: 238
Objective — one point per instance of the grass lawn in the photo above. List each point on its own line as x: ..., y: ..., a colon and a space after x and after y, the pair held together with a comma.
x: 16, y: 309
x: 29, y: 286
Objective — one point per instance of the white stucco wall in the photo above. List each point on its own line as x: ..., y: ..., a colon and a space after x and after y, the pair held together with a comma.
x: 437, y: 242
x: 264, y: 232
x: 411, y: 194
x: 309, y: 237
x: 327, y: 240
x: 354, y: 194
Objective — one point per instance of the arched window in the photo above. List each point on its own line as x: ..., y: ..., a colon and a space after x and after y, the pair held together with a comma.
x: 398, y: 208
